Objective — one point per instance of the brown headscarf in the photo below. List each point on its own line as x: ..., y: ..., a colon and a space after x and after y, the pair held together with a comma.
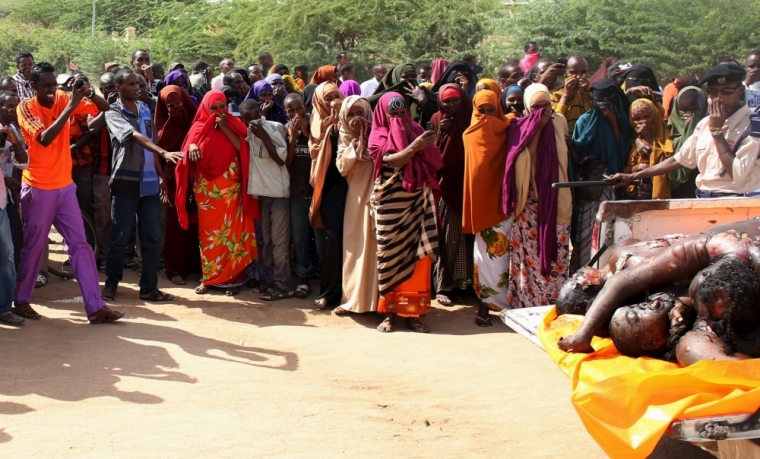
x: 601, y: 72
x: 320, y: 144
x: 171, y: 132
x: 451, y: 144
x: 323, y: 74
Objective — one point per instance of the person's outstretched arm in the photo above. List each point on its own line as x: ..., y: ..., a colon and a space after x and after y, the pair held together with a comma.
x: 677, y: 262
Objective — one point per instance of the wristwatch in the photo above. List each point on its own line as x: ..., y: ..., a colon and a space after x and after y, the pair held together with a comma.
x: 716, y: 132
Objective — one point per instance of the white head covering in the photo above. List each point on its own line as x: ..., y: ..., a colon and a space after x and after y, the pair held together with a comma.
x: 535, y: 93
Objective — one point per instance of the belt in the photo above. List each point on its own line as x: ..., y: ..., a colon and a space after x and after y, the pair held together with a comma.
x: 714, y: 194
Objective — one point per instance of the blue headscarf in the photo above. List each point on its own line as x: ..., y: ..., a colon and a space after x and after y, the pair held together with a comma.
x: 506, y: 93
x: 277, y: 112
x: 593, y: 135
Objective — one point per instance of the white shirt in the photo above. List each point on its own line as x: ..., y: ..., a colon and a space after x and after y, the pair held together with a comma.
x: 218, y: 81
x: 699, y: 151
x: 7, y: 164
x: 265, y: 177
x: 369, y: 87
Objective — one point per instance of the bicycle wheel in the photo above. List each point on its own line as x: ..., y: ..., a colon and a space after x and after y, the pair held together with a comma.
x: 58, y: 258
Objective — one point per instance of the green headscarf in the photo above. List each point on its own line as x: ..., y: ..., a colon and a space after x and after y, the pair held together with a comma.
x: 679, y: 132
x: 392, y: 82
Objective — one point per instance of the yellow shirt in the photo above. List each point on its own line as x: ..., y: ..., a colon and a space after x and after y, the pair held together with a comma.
x: 573, y: 110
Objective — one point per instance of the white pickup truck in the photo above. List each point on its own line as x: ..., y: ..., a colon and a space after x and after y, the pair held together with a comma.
x: 618, y: 221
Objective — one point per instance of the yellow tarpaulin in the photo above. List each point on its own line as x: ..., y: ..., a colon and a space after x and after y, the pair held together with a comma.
x: 627, y: 404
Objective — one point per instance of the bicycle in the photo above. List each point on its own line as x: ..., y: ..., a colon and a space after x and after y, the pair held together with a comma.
x: 58, y: 258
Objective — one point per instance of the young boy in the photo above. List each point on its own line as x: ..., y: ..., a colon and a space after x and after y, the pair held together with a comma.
x: 269, y: 180
x: 300, y: 189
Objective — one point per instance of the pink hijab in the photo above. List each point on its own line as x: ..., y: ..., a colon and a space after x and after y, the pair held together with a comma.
x: 438, y: 66
x: 389, y: 136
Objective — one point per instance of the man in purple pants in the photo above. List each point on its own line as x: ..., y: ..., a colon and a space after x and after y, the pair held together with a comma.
x: 48, y: 194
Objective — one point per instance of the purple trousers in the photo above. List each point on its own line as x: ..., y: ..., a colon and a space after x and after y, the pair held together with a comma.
x: 40, y: 210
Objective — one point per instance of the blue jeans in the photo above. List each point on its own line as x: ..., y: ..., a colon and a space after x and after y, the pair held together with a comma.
x: 300, y: 232
x: 124, y: 208
x: 7, y: 266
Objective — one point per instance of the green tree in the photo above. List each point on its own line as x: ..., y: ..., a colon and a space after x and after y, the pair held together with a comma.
x: 672, y: 37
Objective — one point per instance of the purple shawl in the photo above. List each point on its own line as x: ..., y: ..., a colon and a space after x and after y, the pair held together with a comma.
x: 519, y: 135
x: 350, y: 88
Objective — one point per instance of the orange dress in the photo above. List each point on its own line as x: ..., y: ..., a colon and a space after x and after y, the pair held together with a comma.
x: 227, y: 240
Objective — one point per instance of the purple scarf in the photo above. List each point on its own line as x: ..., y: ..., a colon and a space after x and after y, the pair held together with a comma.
x: 519, y: 135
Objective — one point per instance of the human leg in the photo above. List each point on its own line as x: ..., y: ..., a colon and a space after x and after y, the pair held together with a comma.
x: 68, y: 222
x: 149, y: 228
x: 101, y: 209
x: 123, y: 210
x: 280, y: 226
x: 38, y: 210
x: 266, y: 251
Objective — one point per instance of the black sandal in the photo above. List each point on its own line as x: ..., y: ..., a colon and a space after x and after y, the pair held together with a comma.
x: 416, y: 326
x: 108, y: 295
x: 157, y: 297
x: 302, y: 291
x: 276, y: 295
x: 232, y: 291
x: 481, y: 322
x: 26, y: 311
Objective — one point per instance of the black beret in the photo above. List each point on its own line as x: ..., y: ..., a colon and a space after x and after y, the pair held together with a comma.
x: 724, y: 73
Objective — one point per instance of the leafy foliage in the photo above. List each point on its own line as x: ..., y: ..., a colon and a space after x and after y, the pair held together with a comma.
x: 673, y: 37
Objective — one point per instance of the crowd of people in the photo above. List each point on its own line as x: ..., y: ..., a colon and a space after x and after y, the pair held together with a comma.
x: 423, y: 182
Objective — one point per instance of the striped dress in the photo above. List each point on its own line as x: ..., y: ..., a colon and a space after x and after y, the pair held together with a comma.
x: 406, y: 230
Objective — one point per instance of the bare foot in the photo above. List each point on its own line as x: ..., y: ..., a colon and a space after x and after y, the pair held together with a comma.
x: 105, y: 315
x: 340, y: 311
x: 576, y: 344
x: 386, y: 325
x: 201, y: 289
x: 178, y: 280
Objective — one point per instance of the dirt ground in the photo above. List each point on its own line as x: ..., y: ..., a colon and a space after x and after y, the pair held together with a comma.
x: 213, y: 377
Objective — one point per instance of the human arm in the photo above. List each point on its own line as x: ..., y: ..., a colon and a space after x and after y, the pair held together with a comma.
x: 258, y: 131
x: 402, y: 157
x: 677, y: 262
x: 148, y: 144
x: 163, y: 186
x: 20, y: 156
x: 717, y: 115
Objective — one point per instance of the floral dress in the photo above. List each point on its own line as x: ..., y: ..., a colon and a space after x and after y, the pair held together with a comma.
x: 227, y: 238
x: 527, y: 287
x: 491, y: 265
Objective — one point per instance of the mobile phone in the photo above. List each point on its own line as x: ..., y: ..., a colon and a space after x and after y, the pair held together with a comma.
x: 79, y: 84
x: 430, y: 126
x: 562, y: 61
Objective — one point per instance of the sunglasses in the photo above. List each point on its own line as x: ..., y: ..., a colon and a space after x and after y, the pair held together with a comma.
x: 723, y: 91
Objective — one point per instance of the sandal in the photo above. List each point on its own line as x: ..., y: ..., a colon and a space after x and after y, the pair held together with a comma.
x: 201, y: 289
x: 25, y: 310
x: 416, y: 326
x: 320, y: 303
x: 11, y: 319
x: 340, y: 312
x: 105, y: 316
x: 108, y: 295
x: 483, y: 322
x: 157, y: 296
x: 177, y: 280
x: 261, y: 287
x: 386, y: 326
x: 232, y: 291
x: 276, y: 295
x: 41, y: 281
x: 444, y: 300
x: 303, y: 290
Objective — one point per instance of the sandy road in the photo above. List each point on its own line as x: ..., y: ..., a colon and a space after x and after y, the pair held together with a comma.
x: 210, y: 377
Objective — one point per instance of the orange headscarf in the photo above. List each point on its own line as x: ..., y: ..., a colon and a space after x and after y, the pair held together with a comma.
x: 320, y: 145
x: 493, y: 86
x: 324, y: 73
x: 485, y: 155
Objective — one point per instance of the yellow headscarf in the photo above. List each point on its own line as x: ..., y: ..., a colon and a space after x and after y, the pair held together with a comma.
x: 293, y: 83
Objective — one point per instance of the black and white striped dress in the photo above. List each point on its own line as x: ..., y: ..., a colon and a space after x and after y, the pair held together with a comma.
x: 406, y: 228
